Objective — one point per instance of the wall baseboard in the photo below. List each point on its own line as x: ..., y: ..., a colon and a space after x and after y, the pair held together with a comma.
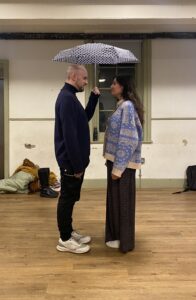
x: 144, y: 183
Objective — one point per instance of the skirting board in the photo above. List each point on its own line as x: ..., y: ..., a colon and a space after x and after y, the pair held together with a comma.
x: 143, y: 183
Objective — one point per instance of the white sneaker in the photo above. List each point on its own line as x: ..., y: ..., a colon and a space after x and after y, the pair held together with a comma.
x: 73, y: 246
x: 81, y: 239
x: 113, y: 244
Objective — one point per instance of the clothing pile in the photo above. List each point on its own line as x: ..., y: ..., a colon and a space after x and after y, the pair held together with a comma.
x: 29, y: 178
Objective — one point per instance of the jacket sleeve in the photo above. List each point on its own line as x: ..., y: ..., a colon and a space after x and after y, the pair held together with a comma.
x: 127, y: 140
x: 91, y: 105
x: 68, y: 115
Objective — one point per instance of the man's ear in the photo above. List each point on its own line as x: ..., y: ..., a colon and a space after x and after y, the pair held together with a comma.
x: 73, y: 77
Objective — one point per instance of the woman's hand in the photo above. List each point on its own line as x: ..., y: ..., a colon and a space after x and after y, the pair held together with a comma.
x: 114, y: 177
x: 96, y: 91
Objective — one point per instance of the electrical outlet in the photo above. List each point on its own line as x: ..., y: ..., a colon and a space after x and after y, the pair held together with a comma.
x: 143, y: 160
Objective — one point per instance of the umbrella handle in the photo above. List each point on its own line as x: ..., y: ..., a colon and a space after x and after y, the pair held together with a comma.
x: 95, y: 74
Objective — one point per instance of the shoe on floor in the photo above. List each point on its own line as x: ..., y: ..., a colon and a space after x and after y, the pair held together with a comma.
x: 81, y: 239
x: 113, y: 244
x: 48, y: 193
x: 72, y: 246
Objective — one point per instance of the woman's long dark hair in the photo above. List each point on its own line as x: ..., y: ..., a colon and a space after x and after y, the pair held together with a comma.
x: 129, y: 93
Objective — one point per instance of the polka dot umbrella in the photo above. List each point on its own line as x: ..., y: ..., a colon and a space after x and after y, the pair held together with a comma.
x: 95, y: 53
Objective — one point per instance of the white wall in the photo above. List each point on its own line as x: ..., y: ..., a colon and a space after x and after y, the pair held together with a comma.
x: 35, y: 82
x: 173, y: 96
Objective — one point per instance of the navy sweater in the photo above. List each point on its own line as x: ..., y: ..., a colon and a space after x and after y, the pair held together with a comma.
x: 72, y: 136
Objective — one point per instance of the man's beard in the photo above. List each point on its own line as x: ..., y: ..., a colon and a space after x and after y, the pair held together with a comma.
x: 81, y: 89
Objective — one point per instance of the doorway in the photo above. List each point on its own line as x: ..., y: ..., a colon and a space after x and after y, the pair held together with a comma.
x: 3, y: 119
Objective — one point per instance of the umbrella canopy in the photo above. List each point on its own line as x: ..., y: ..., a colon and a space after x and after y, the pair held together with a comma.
x: 95, y: 53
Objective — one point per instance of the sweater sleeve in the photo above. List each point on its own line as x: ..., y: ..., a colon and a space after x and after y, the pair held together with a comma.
x: 91, y: 105
x: 127, y: 140
x: 68, y: 116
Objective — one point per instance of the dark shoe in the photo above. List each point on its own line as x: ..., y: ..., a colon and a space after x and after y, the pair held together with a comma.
x: 48, y: 193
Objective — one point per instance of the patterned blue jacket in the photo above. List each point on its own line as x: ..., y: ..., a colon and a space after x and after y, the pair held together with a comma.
x: 123, y: 138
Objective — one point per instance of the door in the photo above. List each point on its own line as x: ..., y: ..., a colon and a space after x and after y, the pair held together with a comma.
x: 3, y: 117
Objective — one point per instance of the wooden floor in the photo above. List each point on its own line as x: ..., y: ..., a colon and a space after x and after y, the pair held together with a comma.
x: 162, y: 267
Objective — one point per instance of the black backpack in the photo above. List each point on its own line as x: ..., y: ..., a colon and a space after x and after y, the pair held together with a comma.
x: 191, y: 180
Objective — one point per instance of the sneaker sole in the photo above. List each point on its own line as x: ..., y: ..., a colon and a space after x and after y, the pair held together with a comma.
x: 77, y: 251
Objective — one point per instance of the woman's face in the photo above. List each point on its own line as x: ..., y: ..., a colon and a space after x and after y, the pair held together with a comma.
x: 116, y: 89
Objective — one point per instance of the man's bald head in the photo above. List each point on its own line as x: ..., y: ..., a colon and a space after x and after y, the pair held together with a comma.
x: 74, y: 69
x: 77, y: 76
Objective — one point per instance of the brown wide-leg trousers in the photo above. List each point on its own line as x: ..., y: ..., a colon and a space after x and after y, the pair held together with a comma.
x: 120, y: 209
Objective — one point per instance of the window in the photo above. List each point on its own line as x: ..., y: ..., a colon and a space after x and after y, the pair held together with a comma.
x: 141, y: 74
x: 107, y: 103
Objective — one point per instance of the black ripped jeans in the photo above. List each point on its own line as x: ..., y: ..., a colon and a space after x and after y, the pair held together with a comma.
x: 70, y: 193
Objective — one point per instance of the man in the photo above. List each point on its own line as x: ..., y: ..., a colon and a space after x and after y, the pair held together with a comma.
x: 72, y: 149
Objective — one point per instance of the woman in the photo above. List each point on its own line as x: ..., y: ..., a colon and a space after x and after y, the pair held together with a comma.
x: 122, y: 150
